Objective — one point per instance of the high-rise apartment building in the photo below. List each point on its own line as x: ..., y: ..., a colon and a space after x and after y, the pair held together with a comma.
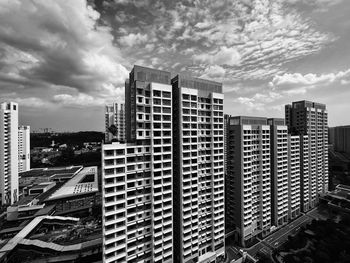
x: 309, y: 120
x: 9, y: 152
x: 226, y: 120
x: 279, y: 172
x: 339, y: 137
x: 163, y: 190
x: 249, y: 177
x: 115, y: 122
x: 228, y: 188
x: 294, y: 176
x: 198, y: 170
x: 137, y: 176
x: 23, y: 148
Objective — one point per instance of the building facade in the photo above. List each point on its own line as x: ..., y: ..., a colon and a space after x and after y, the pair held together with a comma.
x: 339, y: 137
x: 294, y: 169
x: 115, y: 122
x: 249, y: 177
x: 199, y: 220
x: 309, y: 120
x: 163, y: 190
x: 9, y: 152
x: 23, y: 148
x: 137, y: 175
x: 228, y: 225
x: 279, y: 172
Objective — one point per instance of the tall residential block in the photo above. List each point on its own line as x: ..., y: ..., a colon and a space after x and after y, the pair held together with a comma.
x: 163, y: 190
x: 279, y: 172
x: 294, y: 168
x: 339, y: 137
x: 249, y: 177
x: 228, y: 226
x: 23, y: 148
x: 198, y: 160
x: 310, y: 121
x: 9, y: 152
x: 115, y: 122
x: 138, y: 175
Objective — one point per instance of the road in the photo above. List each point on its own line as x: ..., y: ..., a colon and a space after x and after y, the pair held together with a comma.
x: 256, y: 248
x: 232, y: 253
x: 277, y: 238
x: 280, y: 236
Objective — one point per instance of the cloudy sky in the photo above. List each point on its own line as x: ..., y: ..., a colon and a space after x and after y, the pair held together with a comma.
x: 63, y: 60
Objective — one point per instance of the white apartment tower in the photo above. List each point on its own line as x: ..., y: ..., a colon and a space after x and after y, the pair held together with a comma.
x: 309, y: 120
x: 294, y: 168
x: 137, y: 175
x: 279, y: 172
x: 9, y: 152
x: 115, y: 122
x: 23, y: 148
x: 198, y: 160
x: 249, y: 177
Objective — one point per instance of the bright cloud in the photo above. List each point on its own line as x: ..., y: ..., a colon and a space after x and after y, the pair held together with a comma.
x: 224, y: 56
x: 58, y: 43
x: 80, y: 100
x: 309, y: 79
x: 73, y: 53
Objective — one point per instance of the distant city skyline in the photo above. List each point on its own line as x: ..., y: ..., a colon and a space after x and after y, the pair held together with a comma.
x: 62, y: 61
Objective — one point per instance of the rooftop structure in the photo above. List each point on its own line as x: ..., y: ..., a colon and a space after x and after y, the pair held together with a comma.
x: 67, y: 189
x: 32, y: 240
x: 77, y: 186
x: 51, y: 172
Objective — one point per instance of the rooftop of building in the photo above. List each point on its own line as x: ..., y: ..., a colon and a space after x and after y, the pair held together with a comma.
x: 28, y: 229
x: 146, y: 74
x: 141, y: 73
x: 340, y: 127
x: 42, y: 185
x: 62, y: 238
x: 186, y: 81
x: 79, y: 184
x: 307, y: 103
x: 39, y: 196
x: 247, y: 120
x: 276, y: 121
x: 49, y: 172
x: 25, y: 200
x: 341, y: 191
x: 138, y: 67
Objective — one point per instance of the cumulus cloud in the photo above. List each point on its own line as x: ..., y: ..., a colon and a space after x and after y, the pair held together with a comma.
x: 79, y: 100
x: 31, y: 102
x: 224, y: 56
x: 214, y: 71
x: 49, y: 43
x: 133, y: 39
x: 67, y: 53
x: 250, y: 39
x: 310, y: 79
x: 259, y: 102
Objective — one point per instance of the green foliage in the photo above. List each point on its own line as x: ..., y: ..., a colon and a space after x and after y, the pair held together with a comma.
x: 331, y: 243
x: 72, y: 139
